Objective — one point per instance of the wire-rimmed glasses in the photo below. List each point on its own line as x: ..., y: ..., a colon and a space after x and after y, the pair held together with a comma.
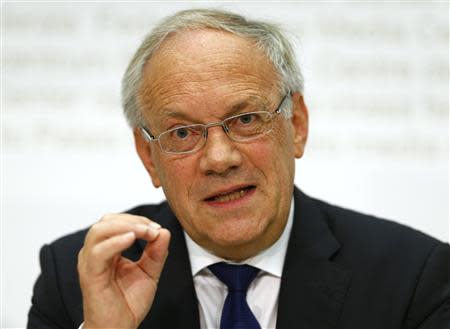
x: 242, y: 127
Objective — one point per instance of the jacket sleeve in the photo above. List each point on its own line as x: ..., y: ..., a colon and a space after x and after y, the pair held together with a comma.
x: 430, y: 306
x: 48, y: 310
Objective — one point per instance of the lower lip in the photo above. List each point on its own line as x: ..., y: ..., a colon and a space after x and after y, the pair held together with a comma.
x: 233, y: 203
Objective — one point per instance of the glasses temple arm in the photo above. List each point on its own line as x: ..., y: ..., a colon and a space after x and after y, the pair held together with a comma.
x: 149, y: 137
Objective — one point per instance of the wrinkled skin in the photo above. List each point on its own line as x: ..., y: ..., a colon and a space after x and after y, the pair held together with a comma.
x: 203, y: 77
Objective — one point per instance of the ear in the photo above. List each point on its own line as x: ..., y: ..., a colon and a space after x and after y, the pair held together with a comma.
x: 145, y: 153
x: 300, y: 123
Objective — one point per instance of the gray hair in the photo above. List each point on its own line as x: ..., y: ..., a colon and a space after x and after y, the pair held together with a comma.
x: 267, y: 37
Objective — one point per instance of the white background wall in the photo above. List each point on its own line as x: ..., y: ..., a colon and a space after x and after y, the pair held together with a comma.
x: 376, y: 85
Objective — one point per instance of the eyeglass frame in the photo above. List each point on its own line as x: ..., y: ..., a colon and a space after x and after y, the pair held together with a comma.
x: 150, y: 138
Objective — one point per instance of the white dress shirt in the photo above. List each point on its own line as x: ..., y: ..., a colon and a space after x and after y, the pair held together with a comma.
x: 262, y: 295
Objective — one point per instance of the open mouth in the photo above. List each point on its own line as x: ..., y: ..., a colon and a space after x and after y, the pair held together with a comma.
x: 231, y: 196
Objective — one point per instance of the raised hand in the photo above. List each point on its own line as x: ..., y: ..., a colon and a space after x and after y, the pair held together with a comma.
x: 117, y: 292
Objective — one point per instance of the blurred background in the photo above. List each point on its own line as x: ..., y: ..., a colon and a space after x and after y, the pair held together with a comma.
x: 377, y: 82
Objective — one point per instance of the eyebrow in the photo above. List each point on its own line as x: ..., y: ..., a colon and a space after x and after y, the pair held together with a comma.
x: 236, y: 108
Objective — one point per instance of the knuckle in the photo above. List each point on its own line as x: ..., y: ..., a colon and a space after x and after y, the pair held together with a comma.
x: 81, y: 262
x: 80, y: 258
x: 95, y: 229
x: 80, y: 254
x: 95, y: 252
x: 108, y: 217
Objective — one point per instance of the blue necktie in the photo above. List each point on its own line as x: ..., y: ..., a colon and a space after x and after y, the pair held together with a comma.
x: 236, y: 313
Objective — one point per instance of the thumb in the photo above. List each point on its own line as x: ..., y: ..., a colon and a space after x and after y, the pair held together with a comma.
x: 155, y: 254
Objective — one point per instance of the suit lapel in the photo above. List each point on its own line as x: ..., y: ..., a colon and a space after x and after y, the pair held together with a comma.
x: 175, y: 305
x: 313, y: 288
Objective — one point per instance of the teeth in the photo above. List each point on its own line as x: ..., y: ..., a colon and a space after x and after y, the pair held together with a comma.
x: 230, y: 196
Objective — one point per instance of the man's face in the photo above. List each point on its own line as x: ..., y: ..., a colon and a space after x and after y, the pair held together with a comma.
x: 232, y: 198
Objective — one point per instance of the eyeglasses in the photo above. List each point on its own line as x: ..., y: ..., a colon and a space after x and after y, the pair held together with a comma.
x: 240, y: 128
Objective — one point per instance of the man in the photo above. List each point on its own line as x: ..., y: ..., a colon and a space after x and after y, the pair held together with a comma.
x: 216, y: 107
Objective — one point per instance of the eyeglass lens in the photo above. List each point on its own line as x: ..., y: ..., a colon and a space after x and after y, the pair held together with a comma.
x: 239, y: 128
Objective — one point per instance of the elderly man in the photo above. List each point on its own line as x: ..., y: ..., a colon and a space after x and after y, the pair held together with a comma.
x: 216, y: 106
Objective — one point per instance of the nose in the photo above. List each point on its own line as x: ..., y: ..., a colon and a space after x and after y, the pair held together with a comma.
x: 220, y: 155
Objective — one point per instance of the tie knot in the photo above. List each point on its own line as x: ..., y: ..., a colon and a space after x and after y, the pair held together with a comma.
x: 235, y: 277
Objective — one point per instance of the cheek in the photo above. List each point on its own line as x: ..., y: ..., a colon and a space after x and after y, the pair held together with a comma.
x: 276, y: 156
x: 177, y: 177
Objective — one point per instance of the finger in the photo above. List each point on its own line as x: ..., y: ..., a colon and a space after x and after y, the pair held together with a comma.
x: 154, y: 255
x: 100, y: 257
x: 106, y: 229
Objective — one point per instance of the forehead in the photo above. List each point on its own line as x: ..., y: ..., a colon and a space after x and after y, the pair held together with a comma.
x: 205, y: 68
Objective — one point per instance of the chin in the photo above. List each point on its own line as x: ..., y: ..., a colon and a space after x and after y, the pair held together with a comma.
x: 236, y: 237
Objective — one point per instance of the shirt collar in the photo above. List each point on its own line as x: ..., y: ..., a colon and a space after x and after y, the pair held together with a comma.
x: 270, y: 260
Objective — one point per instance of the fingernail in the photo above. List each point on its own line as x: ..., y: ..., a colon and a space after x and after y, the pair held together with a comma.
x: 154, y: 225
x: 128, y: 235
x: 152, y: 232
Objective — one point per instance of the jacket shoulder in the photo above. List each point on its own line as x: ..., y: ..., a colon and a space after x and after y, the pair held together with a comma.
x: 359, y: 229
x: 396, y: 269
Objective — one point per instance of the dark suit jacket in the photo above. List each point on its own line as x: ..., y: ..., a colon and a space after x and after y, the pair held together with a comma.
x: 342, y: 270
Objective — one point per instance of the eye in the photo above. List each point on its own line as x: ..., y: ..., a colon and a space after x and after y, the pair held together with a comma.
x: 185, y: 134
x: 246, y: 119
x: 181, y: 133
